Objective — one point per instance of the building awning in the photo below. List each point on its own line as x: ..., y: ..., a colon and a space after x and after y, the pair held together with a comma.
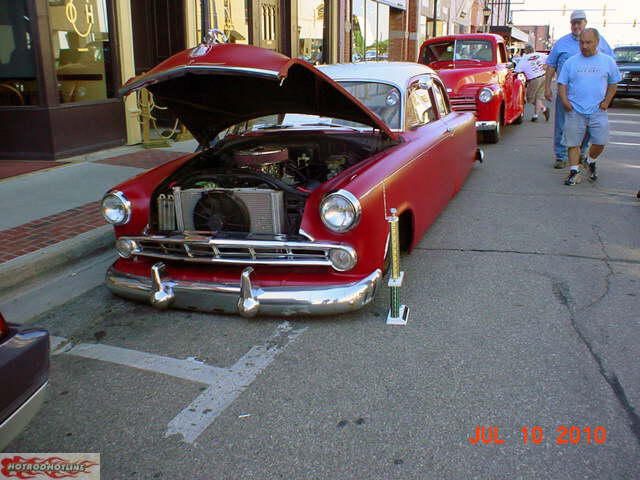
x: 510, y: 33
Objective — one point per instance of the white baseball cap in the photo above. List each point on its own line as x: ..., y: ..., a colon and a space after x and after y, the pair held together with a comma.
x: 578, y: 15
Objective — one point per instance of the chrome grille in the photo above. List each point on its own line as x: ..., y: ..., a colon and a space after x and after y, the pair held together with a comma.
x: 200, y: 249
x: 463, y: 104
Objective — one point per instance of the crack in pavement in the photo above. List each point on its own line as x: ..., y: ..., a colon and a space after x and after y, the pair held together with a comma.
x: 600, y: 192
x: 521, y: 194
x: 606, y: 259
x: 610, y: 377
x: 562, y: 292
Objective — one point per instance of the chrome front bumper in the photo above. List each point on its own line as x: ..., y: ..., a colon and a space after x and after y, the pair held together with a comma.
x: 486, y: 125
x: 17, y: 422
x: 243, y: 297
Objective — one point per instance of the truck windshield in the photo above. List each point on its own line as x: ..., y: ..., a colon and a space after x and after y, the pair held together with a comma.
x: 457, y: 50
x: 627, y: 54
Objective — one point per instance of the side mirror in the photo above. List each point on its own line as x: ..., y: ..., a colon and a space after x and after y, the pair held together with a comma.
x: 425, y: 83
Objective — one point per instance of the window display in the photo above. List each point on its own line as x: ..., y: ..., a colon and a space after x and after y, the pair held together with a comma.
x: 81, y: 49
x: 312, y: 23
x: 369, y: 31
x: 18, y: 81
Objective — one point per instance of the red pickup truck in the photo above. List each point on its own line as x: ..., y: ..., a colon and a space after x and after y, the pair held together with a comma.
x: 479, y: 78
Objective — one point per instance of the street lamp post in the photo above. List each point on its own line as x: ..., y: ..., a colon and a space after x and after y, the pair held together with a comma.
x: 435, y: 18
x: 204, y: 24
x: 486, y: 13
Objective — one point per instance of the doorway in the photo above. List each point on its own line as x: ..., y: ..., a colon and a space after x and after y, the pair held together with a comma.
x: 267, y: 24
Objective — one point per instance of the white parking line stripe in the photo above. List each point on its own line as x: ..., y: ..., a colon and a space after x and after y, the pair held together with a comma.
x: 193, y: 420
x: 627, y: 134
x: 55, y: 343
x: 625, y: 143
x: 626, y: 114
x: 225, y: 384
x: 186, y: 369
x: 631, y: 122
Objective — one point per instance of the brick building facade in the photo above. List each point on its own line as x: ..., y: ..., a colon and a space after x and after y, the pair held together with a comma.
x: 64, y: 60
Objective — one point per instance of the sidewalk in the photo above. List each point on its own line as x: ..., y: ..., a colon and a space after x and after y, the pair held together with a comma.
x: 51, y: 217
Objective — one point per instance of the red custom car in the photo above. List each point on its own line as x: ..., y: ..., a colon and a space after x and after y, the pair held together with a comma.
x: 283, y: 210
x: 479, y: 78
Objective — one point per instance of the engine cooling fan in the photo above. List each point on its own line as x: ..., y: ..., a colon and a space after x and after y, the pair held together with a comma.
x: 219, y: 211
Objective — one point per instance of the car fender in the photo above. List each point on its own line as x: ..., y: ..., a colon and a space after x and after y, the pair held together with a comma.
x: 139, y: 191
x: 490, y: 111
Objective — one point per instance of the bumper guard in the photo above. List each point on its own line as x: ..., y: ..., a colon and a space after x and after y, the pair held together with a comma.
x: 243, y: 298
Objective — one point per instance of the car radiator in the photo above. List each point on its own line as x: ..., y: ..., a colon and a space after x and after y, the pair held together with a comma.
x: 265, y: 208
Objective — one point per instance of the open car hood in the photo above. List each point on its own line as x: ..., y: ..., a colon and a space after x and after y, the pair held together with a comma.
x: 212, y: 87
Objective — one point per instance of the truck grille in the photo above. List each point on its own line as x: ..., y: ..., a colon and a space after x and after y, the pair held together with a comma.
x: 463, y: 104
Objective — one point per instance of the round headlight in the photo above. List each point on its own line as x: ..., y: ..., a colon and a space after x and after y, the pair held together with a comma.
x: 342, y: 260
x: 125, y: 248
x: 340, y: 211
x: 486, y: 94
x: 116, y: 209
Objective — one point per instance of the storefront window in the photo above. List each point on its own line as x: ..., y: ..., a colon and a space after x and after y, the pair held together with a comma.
x: 81, y: 49
x: 357, y: 31
x: 312, y: 23
x: 422, y: 36
x: 18, y: 80
x: 383, y: 32
x: 228, y: 16
x: 369, y: 31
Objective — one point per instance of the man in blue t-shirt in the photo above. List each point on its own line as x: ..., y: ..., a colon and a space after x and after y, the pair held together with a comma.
x: 563, y: 49
x: 586, y: 86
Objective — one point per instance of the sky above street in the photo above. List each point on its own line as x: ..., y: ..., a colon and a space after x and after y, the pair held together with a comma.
x: 619, y: 17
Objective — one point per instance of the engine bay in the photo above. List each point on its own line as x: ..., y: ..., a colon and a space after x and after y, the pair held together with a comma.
x: 255, y: 184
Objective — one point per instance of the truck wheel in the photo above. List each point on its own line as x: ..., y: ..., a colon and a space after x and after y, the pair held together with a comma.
x: 493, y: 136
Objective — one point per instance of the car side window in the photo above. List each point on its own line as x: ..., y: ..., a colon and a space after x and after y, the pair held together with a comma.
x: 441, y: 99
x: 420, y: 109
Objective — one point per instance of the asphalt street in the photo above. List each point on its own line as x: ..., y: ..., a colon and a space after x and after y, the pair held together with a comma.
x: 524, y: 298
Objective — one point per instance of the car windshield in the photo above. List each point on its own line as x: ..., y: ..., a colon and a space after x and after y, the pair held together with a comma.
x: 458, y: 50
x: 627, y: 54
x: 381, y: 98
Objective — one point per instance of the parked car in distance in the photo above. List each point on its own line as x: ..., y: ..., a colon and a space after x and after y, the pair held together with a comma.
x: 284, y: 210
x: 628, y: 60
x: 24, y: 370
x: 479, y: 78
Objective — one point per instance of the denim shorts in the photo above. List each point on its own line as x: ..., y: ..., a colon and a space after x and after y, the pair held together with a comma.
x: 576, y: 126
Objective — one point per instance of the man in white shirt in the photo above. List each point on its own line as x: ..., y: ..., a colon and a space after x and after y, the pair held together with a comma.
x: 532, y: 64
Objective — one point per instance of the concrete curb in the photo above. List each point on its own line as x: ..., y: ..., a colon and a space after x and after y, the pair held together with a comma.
x: 21, y: 271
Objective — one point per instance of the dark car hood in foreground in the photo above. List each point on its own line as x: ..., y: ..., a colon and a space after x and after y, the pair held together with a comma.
x: 212, y: 87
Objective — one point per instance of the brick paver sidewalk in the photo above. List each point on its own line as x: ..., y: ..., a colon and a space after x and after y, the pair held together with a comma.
x: 47, y: 231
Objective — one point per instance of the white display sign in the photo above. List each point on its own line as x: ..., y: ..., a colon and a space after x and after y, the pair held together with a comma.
x: 401, y: 4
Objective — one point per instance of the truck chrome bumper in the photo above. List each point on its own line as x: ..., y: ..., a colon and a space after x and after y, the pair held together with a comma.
x: 243, y: 297
x: 486, y: 125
